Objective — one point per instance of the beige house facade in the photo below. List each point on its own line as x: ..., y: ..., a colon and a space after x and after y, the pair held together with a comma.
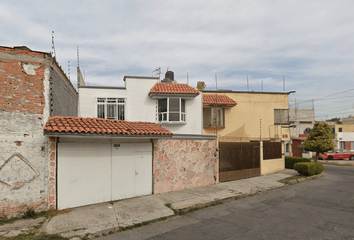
x: 260, y: 119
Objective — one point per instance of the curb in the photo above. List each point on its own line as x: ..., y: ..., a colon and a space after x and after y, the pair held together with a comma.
x: 294, y: 181
x: 216, y: 201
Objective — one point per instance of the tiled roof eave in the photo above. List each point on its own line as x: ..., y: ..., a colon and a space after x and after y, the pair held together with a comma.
x: 105, y: 135
x: 181, y: 95
x: 219, y: 105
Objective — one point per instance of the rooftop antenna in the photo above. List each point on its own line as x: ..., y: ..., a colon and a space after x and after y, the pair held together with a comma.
x: 168, y: 67
x: 283, y: 83
x: 158, y: 71
x: 187, y: 79
x: 53, y: 48
x: 262, y: 85
x: 69, y: 69
x: 78, y: 59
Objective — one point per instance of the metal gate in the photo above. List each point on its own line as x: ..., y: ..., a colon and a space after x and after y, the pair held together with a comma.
x: 239, y: 160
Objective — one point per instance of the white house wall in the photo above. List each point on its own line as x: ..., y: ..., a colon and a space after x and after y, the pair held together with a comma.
x: 139, y: 106
x: 88, y: 99
x: 194, y: 118
x: 344, y: 137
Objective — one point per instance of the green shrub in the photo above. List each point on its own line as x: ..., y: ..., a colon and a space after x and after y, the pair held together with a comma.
x: 290, y: 161
x: 308, y: 168
x: 319, y: 168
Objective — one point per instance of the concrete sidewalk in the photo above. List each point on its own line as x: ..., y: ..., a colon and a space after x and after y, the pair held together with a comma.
x: 105, y: 217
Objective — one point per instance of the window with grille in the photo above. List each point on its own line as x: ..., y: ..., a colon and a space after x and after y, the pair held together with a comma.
x: 210, y: 117
x: 110, y: 108
x: 281, y: 117
x: 171, y: 110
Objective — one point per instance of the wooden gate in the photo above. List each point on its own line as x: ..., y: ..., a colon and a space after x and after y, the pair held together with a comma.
x: 238, y: 160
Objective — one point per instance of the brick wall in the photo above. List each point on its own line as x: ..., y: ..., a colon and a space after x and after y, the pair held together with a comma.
x: 182, y: 164
x: 27, y: 157
x: 21, y: 86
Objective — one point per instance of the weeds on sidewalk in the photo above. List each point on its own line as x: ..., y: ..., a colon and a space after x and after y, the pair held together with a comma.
x: 290, y: 179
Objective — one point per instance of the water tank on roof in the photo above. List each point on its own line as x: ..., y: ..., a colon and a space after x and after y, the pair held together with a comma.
x: 170, y: 75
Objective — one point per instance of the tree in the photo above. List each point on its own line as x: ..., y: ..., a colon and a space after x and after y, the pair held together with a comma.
x: 319, y: 140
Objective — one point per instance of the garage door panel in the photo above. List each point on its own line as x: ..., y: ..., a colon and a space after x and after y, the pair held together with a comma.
x: 143, y: 177
x: 123, y: 175
x: 131, y: 170
x: 84, y: 174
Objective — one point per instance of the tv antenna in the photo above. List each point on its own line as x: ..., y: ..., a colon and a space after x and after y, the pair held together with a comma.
x: 53, y: 48
x: 158, y: 71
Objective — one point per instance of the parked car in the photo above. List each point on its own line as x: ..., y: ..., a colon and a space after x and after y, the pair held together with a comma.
x: 337, y: 154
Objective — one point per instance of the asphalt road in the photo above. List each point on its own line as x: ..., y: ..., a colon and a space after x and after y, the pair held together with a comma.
x: 316, y: 209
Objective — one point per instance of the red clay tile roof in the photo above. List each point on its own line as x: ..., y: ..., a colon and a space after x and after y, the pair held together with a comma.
x: 104, y: 126
x: 173, y: 88
x: 220, y: 100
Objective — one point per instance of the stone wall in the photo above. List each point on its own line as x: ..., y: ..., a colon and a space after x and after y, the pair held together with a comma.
x: 182, y: 164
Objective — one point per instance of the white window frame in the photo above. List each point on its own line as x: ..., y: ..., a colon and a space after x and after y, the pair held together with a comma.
x: 116, y: 104
x: 164, y: 117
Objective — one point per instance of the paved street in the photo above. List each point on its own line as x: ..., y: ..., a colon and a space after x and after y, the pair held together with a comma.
x: 317, y: 209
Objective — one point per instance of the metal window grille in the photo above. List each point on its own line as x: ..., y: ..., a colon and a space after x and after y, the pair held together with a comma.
x: 281, y: 117
x: 111, y: 108
x: 209, y: 117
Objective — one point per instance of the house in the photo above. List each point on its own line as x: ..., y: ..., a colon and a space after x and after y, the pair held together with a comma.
x: 251, y: 129
x: 33, y: 87
x: 343, y: 133
x: 175, y: 106
x: 301, y: 123
x: 143, y: 138
x: 297, y: 146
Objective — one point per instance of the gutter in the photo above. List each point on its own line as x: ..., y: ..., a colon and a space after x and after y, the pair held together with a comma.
x: 100, y: 135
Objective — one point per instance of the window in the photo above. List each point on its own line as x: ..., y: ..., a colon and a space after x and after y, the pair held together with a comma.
x: 171, y: 110
x: 110, y: 108
x: 209, y: 117
x: 339, y: 129
x: 281, y: 117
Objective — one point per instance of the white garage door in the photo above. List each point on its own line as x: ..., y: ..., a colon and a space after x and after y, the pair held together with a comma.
x: 90, y: 173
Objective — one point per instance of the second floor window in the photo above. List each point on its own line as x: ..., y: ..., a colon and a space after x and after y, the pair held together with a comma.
x: 281, y: 117
x: 110, y: 108
x: 171, y: 110
x: 210, y: 117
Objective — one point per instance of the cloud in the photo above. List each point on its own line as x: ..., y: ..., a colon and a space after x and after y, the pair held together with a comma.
x: 308, y: 42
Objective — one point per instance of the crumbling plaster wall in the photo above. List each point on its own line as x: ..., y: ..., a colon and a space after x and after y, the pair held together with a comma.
x: 182, y: 164
x: 24, y: 109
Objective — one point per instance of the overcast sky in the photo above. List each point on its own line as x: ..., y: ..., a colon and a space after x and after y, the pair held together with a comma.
x: 308, y: 42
